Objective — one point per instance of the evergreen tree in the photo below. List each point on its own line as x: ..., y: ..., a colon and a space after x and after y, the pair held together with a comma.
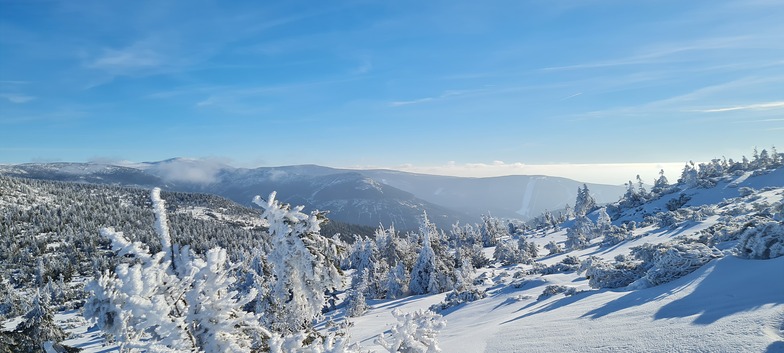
x: 423, y: 272
x: 584, y: 203
x: 171, y: 300
x: 38, y: 323
x: 302, y: 264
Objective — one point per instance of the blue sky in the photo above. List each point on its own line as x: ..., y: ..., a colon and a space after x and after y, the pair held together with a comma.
x: 439, y: 86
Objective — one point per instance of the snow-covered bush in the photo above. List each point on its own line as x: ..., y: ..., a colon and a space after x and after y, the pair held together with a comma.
x: 746, y: 191
x: 554, y: 289
x: 459, y: 296
x: 553, y: 248
x: 465, y: 291
x: 675, y: 204
x: 568, y: 264
x: 415, y: 332
x: 762, y: 241
x: 301, y: 342
x: 666, y: 262
x: 601, y: 274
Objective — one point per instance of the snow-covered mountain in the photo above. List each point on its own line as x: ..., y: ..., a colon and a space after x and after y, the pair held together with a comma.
x: 692, y: 266
x: 365, y: 197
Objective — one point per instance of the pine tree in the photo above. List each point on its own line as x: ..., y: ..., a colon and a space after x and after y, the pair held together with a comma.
x: 301, y: 265
x: 39, y: 323
x: 172, y: 300
x: 397, y: 282
x: 584, y: 203
x: 423, y: 272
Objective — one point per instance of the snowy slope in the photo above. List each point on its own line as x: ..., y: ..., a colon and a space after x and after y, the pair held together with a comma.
x: 728, y: 305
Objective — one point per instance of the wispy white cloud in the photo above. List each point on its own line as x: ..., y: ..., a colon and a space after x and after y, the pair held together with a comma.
x: 129, y: 58
x: 664, y: 52
x: 445, y: 95
x: 17, y: 98
x: 571, y: 96
x: 756, y: 106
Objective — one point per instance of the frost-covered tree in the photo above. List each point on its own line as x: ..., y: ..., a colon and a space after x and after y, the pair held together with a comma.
x: 356, y: 305
x: 301, y: 266
x: 553, y: 248
x: 423, y: 272
x: 580, y: 233
x: 661, y: 185
x: 492, y: 229
x: 689, y: 175
x: 415, y: 332
x: 171, y: 301
x: 603, y: 221
x: 38, y: 323
x: 509, y: 252
x: 397, y: 282
x: 584, y: 203
x: 433, y: 271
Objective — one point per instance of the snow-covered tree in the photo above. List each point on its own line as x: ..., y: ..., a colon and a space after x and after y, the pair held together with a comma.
x: 584, y: 203
x: 603, y: 221
x: 356, y: 305
x: 580, y: 233
x: 508, y: 252
x: 301, y: 266
x: 492, y: 229
x: 397, y: 281
x: 171, y: 301
x: 689, y: 175
x: 553, y: 248
x: 661, y: 185
x: 423, y: 272
x: 415, y: 332
x: 38, y: 323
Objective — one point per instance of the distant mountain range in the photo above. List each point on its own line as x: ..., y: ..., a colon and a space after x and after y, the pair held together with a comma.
x: 365, y: 197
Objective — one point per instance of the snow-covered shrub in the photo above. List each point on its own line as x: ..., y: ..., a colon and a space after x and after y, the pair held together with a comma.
x: 301, y: 342
x: 554, y: 248
x: 746, y: 191
x: 415, y: 332
x: 668, y: 219
x: 666, y: 262
x: 568, y: 264
x: 675, y: 204
x: 762, y: 241
x: 613, y: 236
x: 554, y: 289
x: 571, y: 260
x: 459, y: 296
x: 601, y: 274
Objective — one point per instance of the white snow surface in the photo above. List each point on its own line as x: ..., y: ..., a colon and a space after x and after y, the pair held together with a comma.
x: 728, y: 305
